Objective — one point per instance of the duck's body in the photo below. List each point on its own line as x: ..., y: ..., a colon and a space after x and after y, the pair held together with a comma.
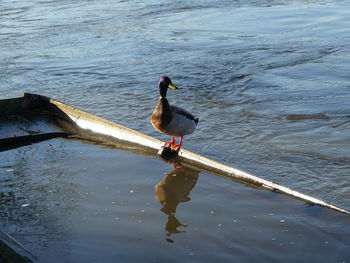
x: 171, y: 120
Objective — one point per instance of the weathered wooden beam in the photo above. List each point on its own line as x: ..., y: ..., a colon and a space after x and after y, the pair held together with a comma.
x: 12, y: 251
x: 20, y: 141
x: 88, y: 123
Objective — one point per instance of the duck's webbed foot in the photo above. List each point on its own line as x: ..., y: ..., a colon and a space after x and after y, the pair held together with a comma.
x: 177, y: 147
x: 171, y: 143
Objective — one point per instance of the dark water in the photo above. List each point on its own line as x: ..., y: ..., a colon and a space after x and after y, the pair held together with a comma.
x: 269, y: 81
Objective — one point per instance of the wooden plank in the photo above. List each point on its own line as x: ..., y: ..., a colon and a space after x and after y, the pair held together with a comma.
x: 89, y: 124
x: 13, y: 106
x: 20, y: 141
x: 12, y: 251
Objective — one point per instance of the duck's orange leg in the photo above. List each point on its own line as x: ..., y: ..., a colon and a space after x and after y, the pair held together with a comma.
x: 171, y: 143
x: 176, y: 147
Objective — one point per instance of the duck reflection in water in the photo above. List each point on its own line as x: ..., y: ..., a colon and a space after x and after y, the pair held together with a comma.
x: 173, y: 189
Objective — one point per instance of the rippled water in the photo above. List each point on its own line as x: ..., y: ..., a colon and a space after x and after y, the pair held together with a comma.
x: 269, y: 80
x: 69, y: 202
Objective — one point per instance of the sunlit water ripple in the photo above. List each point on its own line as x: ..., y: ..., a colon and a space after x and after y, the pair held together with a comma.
x: 268, y: 79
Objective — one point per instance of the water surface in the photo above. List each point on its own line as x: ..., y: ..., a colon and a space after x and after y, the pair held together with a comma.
x: 69, y: 202
x: 268, y: 79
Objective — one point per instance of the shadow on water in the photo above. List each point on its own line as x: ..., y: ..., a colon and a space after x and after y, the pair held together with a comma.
x: 175, y: 188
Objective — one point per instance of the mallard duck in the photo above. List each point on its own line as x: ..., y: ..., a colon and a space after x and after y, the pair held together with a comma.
x: 171, y: 120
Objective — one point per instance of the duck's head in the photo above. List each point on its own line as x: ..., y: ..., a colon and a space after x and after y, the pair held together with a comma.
x: 163, y: 84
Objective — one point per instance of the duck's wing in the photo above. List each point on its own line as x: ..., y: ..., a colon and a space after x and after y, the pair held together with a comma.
x: 183, y: 112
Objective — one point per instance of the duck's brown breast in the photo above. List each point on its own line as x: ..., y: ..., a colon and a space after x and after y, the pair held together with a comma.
x: 161, y: 116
